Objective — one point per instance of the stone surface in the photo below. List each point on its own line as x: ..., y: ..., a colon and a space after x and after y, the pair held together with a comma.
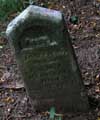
x: 47, y: 61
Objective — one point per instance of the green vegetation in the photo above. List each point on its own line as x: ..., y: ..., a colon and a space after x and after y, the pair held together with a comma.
x: 8, y: 7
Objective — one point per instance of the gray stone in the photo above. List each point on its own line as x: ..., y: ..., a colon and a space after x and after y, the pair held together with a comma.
x: 47, y: 61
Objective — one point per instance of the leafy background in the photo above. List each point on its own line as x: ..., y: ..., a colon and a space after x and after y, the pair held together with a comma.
x: 8, y: 7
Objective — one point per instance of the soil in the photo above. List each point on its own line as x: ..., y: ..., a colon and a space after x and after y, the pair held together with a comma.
x: 15, y: 103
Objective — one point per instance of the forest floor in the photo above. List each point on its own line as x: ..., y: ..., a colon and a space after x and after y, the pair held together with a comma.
x: 14, y: 101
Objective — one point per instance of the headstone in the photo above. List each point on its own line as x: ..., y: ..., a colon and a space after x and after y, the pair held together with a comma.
x: 47, y: 61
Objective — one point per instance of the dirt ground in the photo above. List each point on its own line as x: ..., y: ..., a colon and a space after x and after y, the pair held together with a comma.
x: 15, y: 103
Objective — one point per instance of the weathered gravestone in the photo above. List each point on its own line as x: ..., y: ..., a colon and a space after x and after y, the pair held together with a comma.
x: 47, y: 60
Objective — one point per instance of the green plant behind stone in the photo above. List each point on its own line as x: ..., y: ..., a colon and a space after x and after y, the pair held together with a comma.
x: 8, y: 7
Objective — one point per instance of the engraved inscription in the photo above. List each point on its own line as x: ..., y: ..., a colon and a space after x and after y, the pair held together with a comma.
x: 41, y: 41
x: 48, y: 70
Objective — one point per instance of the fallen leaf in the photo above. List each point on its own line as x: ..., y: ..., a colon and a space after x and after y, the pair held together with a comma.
x: 75, y: 47
x: 98, y: 12
x: 93, y: 24
x: 3, y: 41
x: 63, y: 7
x: 98, y: 118
x: 8, y: 109
x: 1, y: 46
x: 98, y: 77
x: 2, y: 81
x: 98, y: 0
x: 6, y: 76
x: 51, y: 6
x: 97, y: 89
x: 9, y: 100
x: 97, y: 35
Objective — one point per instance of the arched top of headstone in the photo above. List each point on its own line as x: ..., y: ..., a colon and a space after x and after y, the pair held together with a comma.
x: 34, y: 15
